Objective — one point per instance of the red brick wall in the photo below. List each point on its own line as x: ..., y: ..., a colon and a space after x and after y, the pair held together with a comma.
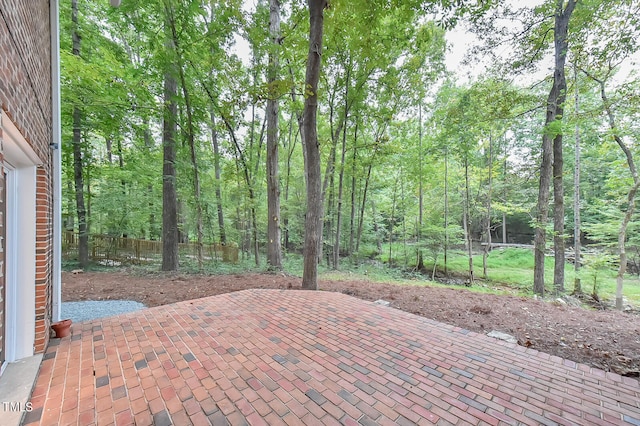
x: 25, y: 95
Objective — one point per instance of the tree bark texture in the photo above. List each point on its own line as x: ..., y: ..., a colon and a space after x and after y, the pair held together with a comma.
x: 313, y: 220
x: 169, y: 192
x: 552, y: 147
x: 192, y: 144
x: 274, y: 244
x: 83, y: 228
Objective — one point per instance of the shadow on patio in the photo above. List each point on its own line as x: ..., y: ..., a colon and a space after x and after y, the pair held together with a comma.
x: 298, y: 357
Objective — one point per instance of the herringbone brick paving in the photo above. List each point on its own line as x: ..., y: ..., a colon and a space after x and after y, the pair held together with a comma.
x: 277, y: 357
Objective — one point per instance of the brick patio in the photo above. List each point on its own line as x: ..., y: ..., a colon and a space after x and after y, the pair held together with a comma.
x: 296, y: 357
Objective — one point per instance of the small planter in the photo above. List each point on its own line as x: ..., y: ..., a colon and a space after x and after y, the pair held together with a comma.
x: 62, y: 328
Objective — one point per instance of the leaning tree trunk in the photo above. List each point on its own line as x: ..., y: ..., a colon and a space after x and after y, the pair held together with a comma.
x: 313, y: 220
x: 243, y: 164
x: 363, y: 204
x: 274, y: 244
x: 631, y: 195
x: 83, y: 228
x: 552, y: 144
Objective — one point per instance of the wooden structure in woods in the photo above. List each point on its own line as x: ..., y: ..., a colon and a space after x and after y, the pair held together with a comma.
x: 119, y: 250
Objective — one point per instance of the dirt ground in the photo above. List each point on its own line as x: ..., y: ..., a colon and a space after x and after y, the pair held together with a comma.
x: 608, y: 340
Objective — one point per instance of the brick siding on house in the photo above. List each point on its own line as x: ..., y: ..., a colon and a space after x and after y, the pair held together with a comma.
x: 2, y: 244
x: 25, y: 96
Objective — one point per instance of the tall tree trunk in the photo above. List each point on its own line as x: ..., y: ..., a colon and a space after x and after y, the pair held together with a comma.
x: 362, y: 207
x: 313, y: 220
x: 352, y: 222
x: 631, y: 201
x: 109, y: 142
x: 365, y: 191
x: 558, y: 212
x: 392, y: 220
x: 83, y: 228
x: 552, y: 145
x: 87, y: 191
x: 123, y: 183
x: 467, y: 210
x: 290, y: 150
x: 71, y: 195
x: 504, y: 228
x: 274, y: 243
x: 446, y: 209
x: 487, y: 247
x: 336, y: 246
x: 404, y: 221
x: 504, y: 214
x: 154, y: 232
x: 192, y: 144
x: 216, y: 165
x: 329, y: 174
x: 376, y: 228
x: 196, y: 175
x: 420, y: 189
x: 577, y: 243
x: 249, y: 177
x: 246, y: 171
x: 191, y: 140
x: 169, y: 193
x: 327, y: 223
x: 254, y: 216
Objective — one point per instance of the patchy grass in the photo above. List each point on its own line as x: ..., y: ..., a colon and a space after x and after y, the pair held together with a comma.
x: 513, y: 267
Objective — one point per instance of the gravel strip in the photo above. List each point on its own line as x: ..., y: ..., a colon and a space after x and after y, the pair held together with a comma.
x: 93, y: 309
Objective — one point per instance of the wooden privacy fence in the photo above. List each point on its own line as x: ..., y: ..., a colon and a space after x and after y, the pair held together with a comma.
x: 106, y: 248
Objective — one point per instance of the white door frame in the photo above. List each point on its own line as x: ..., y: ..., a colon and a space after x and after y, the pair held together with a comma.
x: 21, y: 163
x: 11, y: 265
